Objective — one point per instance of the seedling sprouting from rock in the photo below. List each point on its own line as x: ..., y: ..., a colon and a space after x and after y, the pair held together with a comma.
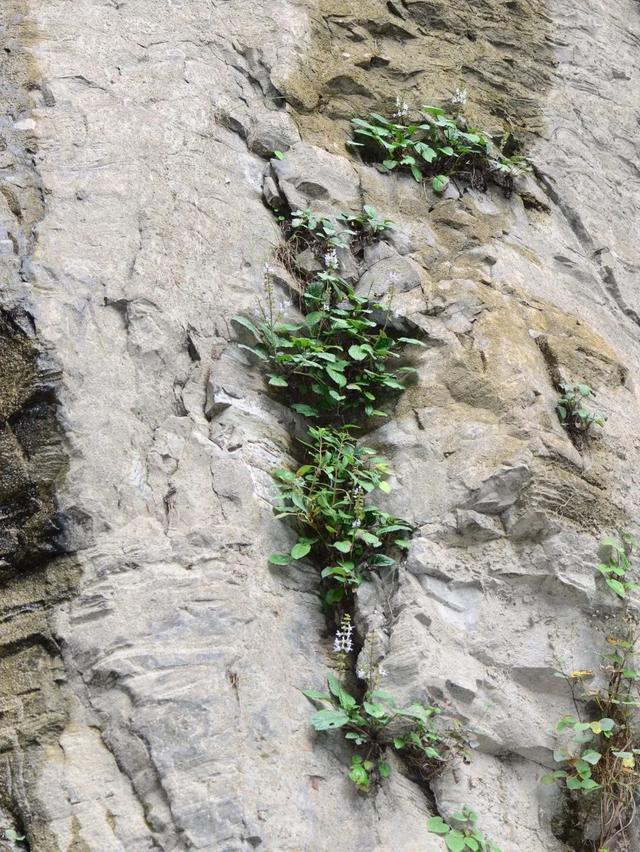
x: 573, y: 412
x: 461, y: 833
x: 616, y: 568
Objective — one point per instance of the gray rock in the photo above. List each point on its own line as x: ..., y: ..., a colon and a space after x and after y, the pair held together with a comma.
x: 272, y: 131
x: 394, y: 273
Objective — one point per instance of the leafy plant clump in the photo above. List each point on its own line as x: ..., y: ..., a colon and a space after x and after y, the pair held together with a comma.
x: 439, y: 147
x: 599, y: 765
x: 374, y: 724
x: 333, y: 363
x: 307, y: 232
x: 573, y: 413
x: 336, y: 528
x: 576, y: 759
x: 462, y: 833
x: 617, y: 567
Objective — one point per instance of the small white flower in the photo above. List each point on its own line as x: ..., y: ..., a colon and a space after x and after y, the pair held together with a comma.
x: 460, y: 96
x: 402, y: 108
x: 356, y: 524
x: 331, y: 259
x: 342, y: 642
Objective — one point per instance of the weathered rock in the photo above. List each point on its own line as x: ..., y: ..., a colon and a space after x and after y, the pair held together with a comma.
x: 150, y: 693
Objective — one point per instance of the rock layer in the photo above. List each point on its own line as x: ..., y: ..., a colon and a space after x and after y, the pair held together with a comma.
x: 151, y: 696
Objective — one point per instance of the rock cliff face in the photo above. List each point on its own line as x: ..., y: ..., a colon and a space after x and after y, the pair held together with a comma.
x: 152, y: 660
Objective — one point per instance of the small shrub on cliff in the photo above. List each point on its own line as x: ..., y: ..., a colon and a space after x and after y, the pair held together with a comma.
x: 374, y: 724
x: 333, y: 362
x: 573, y: 412
x: 617, y: 566
x: 438, y: 147
x: 599, y: 765
x: 461, y: 833
x: 368, y: 222
x: 325, y: 498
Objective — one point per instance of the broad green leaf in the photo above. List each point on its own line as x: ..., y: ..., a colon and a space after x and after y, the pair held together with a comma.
x: 438, y: 826
x: 455, y: 841
x: 278, y: 381
x: 384, y: 486
x: 278, y: 155
x: 591, y: 756
x: 259, y: 353
x: 369, y: 538
x: 325, y: 720
x: 439, y: 183
x: 389, y: 164
x: 301, y: 549
x: 279, y: 559
x: 384, y: 769
x: 342, y: 546
x: 246, y: 323
x: 314, y: 695
x: 357, y: 353
x: 616, y: 586
x: 306, y: 410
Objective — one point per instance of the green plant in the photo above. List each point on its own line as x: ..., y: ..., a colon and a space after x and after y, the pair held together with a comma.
x: 333, y: 362
x: 599, y: 765
x: 316, y: 229
x: 374, y: 724
x: 572, y: 411
x: 325, y: 498
x: 437, y: 146
x: 578, y: 762
x: 617, y: 566
x: 368, y: 222
x: 461, y: 832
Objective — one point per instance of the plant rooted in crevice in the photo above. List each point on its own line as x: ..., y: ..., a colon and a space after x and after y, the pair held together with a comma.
x: 461, y: 833
x: 617, y: 567
x: 336, y: 528
x: 573, y: 412
x: 439, y: 147
x: 599, y: 764
x: 374, y: 723
x: 333, y: 364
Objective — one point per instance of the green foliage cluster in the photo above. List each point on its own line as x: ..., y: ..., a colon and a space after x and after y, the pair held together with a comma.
x: 617, y: 566
x: 333, y: 362
x: 461, y: 833
x: 332, y: 367
x: 325, y: 498
x: 437, y: 146
x: 599, y: 764
x: 578, y: 761
x: 573, y: 413
x: 313, y: 229
x: 368, y: 222
x: 373, y: 724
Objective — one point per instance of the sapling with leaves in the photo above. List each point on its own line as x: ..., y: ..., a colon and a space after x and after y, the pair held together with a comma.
x: 325, y: 499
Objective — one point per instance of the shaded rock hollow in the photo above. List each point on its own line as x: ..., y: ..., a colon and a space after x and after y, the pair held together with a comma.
x: 152, y: 660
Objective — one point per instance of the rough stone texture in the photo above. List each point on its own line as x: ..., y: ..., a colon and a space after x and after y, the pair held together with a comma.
x: 150, y: 699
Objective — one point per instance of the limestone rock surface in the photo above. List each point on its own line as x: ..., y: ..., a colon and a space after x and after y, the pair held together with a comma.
x: 152, y: 660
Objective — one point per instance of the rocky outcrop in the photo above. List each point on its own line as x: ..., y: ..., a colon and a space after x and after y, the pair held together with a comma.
x: 152, y: 659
